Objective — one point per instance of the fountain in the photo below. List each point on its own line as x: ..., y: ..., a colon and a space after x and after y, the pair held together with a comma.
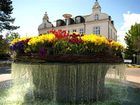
x: 63, y: 82
x: 66, y: 82
x: 65, y: 68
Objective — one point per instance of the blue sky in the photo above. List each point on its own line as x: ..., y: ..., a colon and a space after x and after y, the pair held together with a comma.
x: 29, y: 13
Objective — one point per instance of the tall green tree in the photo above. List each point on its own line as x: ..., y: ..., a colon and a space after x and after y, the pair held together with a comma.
x: 132, y: 40
x: 5, y: 16
x: 4, y: 45
x: 4, y: 48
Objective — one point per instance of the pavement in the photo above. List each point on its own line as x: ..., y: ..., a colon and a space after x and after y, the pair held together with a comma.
x: 5, y: 73
x: 5, y: 76
x: 133, y: 75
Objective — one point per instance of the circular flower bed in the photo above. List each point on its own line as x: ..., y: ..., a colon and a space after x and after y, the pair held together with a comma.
x: 67, y: 47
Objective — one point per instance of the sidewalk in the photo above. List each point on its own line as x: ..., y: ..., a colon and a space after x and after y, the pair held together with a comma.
x: 133, y: 75
x: 5, y: 77
x: 5, y: 74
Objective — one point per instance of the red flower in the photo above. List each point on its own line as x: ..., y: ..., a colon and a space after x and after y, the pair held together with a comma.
x: 60, y: 34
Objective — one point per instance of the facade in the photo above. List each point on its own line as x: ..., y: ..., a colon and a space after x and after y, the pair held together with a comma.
x: 97, y: 22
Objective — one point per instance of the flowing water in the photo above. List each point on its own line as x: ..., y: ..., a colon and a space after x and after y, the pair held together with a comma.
x: 68, y: 83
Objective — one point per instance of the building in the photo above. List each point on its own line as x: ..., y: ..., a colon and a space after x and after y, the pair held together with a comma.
x: 97, y: 22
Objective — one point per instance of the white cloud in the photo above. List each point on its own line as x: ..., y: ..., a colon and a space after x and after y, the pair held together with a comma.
x: 129, y: 19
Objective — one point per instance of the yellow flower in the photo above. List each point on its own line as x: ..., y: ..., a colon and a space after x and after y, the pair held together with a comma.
x: 17, y: 40
x: 116, y: 45
x: 97, y: 40
x: 101, y: 40
x: 41, y: 39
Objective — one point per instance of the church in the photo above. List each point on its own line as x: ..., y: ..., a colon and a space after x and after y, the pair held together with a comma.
x: 95, y: 23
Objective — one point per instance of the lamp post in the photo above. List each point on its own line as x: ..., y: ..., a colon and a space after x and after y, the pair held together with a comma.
x: 134, y: 58
x: 67, y: 16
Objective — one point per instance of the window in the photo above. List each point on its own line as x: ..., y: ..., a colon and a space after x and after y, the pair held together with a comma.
x: 108, y: 33
x: 96, y: 17
x: 78, y: 20
x: 96, y: 30
x: 81, y: 30
x: 74, y: 30
x: 115, y: 37
x: 111, y: 34
x: 58, y: 23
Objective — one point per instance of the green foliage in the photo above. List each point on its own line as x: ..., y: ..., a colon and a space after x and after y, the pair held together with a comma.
x: 12, y: 35
x: 64, y: 47
x: 132, y: 40
x: 4, y: 46
x: 90, y: 48
x: 5, y: 15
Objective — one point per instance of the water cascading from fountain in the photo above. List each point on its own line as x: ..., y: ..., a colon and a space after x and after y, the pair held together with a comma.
x: 62, y: 82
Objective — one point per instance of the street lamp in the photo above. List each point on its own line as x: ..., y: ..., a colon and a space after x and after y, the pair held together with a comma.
x: 134, y: 58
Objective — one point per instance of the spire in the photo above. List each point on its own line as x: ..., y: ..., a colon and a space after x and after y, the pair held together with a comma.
x: 96, y: 7
x: 45, y: 23
x: 45, y: 16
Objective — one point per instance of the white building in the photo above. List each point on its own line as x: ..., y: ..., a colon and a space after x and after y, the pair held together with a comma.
x: 97, y: 22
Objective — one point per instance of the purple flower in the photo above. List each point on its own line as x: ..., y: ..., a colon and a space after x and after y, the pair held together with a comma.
x: 17, y: 46
x: 13, y: 47
x: 42, y: 52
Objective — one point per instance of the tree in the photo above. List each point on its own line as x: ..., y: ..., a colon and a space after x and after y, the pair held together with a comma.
x: 11, y: 36
x: 5, y: 44
x: 5, y: 18
x: 132, y: 40
x: 4, y: 48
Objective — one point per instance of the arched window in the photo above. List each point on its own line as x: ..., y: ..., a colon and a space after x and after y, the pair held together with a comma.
x: 96, y: 17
